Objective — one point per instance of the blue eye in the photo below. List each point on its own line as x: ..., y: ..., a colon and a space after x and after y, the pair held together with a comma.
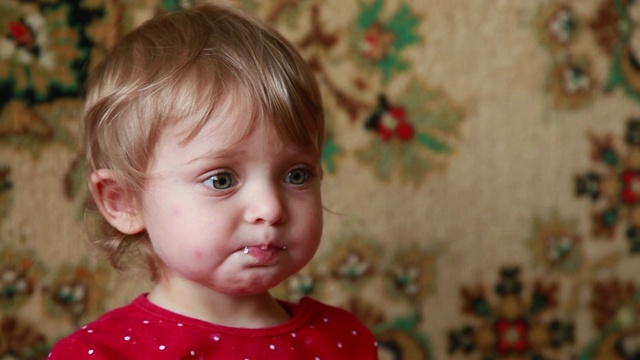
x: 297, y: 176
x: 220, y: 181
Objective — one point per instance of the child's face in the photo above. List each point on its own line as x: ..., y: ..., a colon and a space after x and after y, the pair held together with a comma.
x: 233, y: 213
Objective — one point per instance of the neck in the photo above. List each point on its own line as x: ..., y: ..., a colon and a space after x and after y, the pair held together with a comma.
x: 247, y: 311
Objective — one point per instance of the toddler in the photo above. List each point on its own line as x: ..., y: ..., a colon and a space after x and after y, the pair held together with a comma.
x: 203, y: 131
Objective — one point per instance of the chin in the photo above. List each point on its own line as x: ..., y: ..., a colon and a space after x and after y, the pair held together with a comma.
x: 254, y: 288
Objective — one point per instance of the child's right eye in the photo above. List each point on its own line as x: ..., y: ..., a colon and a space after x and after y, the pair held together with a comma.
x: 220, y: 181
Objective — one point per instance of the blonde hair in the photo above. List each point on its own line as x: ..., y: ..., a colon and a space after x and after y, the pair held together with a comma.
x: 183, y: 64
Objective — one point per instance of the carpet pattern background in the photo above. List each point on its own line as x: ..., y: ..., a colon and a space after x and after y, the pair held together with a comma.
x: 482, y: 172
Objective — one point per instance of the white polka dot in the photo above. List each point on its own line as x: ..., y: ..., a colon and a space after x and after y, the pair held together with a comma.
x: 145, y: 321
x: 354, y: 332
x: 162, y: 347
x: 90, y: 352
x: 272, y: 347
x: 90, y: 331
x: 325, y: 320
x: 193, y: 353
x: 375, y: 343
x: 340, y: 345
x: 127, y: 338
x: 216, y: 338
x: 293, y: 334
x: 180, y: 324
x: 317, y: 357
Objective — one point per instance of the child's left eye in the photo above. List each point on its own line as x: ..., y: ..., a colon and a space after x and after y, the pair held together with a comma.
x: 297, y: 176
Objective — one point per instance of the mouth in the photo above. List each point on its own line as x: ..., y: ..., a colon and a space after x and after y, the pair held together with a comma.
x: 263, y: 254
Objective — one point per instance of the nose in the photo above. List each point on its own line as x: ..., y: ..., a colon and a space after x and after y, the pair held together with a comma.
x: 265, y: 204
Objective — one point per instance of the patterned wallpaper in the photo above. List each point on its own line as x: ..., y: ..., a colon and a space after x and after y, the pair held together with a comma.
x: 482, y: 172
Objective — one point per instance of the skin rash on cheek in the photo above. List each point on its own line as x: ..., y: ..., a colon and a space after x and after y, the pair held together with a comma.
x: 176, y: 210
x: 198, y: 254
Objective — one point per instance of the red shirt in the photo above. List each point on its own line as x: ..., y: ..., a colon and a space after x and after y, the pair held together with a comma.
x: 142, y: 330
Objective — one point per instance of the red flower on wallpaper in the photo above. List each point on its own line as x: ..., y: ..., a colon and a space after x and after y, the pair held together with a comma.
x: 390, y: 122
x: 512, y: 335
x: 412, y: 136
x: 381, y: 40
x: 631, y: 186
x: 376, y: 42
x: 22, y: 35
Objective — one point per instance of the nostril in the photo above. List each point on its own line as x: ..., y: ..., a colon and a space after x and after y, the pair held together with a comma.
x: 272, y: 215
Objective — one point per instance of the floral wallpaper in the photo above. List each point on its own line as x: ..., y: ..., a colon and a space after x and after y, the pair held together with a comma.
x: 482, y: 172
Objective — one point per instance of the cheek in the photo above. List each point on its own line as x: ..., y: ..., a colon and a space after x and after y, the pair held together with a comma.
x: 318, y: 214
x: 174, y: 231
x: 176, y: 211
x: 312, y: 219
x: 183, y: 252
x: 318, y: 221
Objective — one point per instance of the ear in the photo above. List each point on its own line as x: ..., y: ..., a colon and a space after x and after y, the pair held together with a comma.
x: 116, y: 204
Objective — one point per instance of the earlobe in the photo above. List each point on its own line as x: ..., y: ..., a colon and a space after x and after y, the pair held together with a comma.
x: 115, y: 203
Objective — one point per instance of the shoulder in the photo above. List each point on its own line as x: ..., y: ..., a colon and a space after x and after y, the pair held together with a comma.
x: 319, y: 309
x: 98, y: 338
x: 339, y: 329
x: 78, y: 346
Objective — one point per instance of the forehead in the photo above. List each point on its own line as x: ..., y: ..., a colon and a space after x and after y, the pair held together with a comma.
x: 233, y: 116
x: 220, y: 138
x: 229, y: 122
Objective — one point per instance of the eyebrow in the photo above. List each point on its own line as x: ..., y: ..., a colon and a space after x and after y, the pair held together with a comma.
x: 229, y: 153
x: 218, y: 155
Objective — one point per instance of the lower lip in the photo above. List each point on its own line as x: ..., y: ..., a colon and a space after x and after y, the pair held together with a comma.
x: 263, y: 255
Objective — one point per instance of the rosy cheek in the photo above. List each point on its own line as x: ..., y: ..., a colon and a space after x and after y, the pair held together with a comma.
x: 176, y: 210
x: 198, y: 254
